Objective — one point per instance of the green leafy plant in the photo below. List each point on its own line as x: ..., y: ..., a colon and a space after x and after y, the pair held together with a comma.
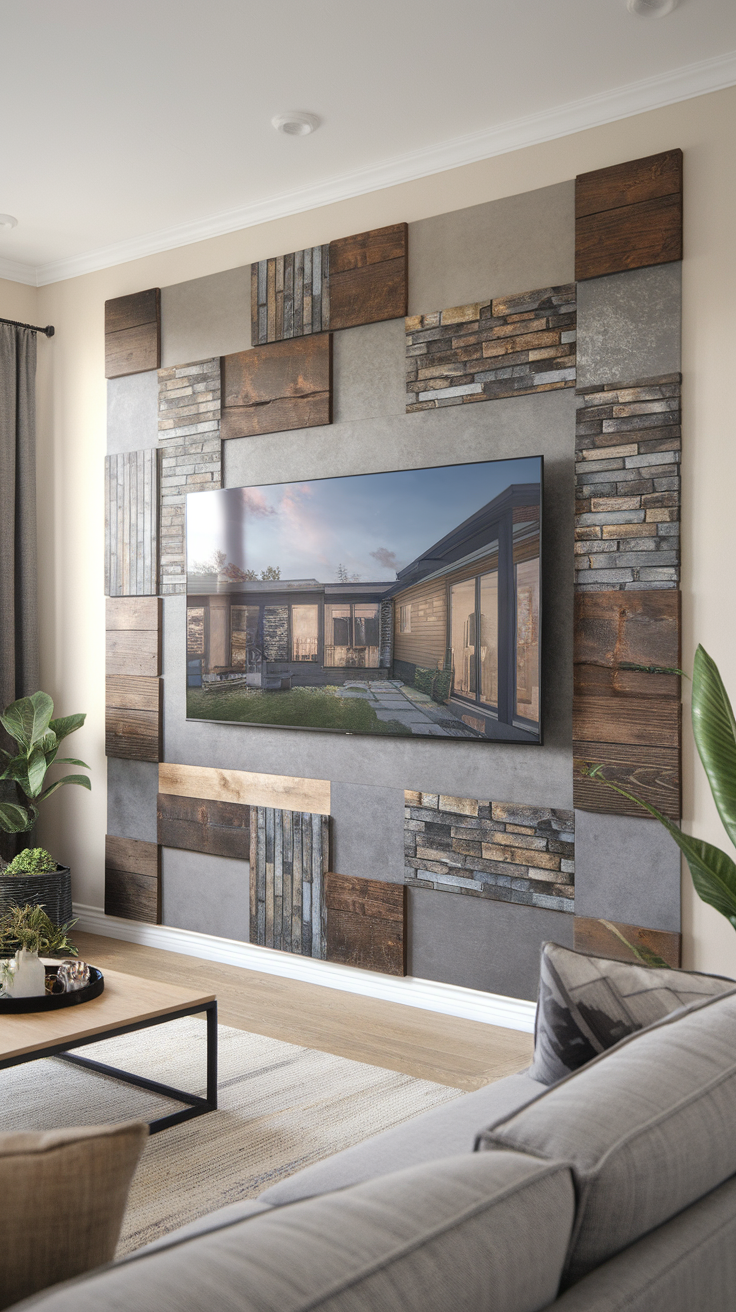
x: 29, y: 927
x: 32, y: 861
x: 714, y: 729
x: 29, y: 722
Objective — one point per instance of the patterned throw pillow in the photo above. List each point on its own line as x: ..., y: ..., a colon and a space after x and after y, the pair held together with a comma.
x: 586, y: 1004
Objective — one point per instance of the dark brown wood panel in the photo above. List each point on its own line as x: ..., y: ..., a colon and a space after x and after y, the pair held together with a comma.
x: 602, y: 681
x: 368, y: 295
x: 366, y: 923
x: 632, y: 237
x: 133, y: 613
x: 132, y: 897
x: 642, y: 628
x: 652, y: 773
x: 277, y: 387
x: 201, y: 825
x: 594, y: 936
x: 135, y: 735
x: 135, y: 653
x: 366, y: 248
x: 628, y: 184
x: 132, y: 854
x: 133, y: 334
x: 644, y: 721
x: 132, y: 694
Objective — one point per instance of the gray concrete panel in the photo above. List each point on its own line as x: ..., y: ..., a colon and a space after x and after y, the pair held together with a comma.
x: 478, y: 944
x: 514, y: 244
x: 626, y: 869
x: 205, y: 317
x: 629, y: 325
x: 369, y: 371
x: 207, y: 894
x: 132, y: 789
x: 132, y: 413
x: 367, y: 831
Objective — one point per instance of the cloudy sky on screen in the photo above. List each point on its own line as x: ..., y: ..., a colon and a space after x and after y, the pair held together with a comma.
x: 371, y: 524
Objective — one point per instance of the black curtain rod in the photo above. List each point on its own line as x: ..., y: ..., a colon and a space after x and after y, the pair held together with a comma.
x: 48, y: 331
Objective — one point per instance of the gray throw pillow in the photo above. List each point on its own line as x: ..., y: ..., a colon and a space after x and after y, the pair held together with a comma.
x: 587, y: 1004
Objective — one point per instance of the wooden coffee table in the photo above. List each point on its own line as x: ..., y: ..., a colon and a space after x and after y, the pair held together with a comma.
x: 127, y: 1004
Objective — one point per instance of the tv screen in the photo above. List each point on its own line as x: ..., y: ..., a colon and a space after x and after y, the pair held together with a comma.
x: 402, y: 604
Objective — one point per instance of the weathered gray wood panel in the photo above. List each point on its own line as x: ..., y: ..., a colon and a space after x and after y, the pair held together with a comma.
x: 131, y: 524
x: 289, y: 859
x: 290, y: 296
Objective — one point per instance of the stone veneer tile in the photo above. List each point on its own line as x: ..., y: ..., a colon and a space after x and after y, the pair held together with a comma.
x: 509, y: 346
x: 190, y: 460
x: 627, y: 485
x: 500, y: 851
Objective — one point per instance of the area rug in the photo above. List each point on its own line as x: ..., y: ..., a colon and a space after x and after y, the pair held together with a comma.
x: 281, y: 1107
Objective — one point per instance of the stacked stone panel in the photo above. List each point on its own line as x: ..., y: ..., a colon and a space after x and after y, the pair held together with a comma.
x: 500, y: 851
x: 190, y: 455
x: 627, y: 485
x: 508, y: 346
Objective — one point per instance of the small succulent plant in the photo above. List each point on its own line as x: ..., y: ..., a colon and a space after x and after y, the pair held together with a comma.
x: 32, y: 861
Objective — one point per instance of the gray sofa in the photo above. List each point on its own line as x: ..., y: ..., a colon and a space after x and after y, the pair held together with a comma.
x: 613, y: 1189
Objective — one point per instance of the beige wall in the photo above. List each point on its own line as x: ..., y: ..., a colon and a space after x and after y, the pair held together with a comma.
x: 72, y: 432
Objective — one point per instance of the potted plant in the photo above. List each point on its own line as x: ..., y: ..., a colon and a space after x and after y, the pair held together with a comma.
x: 29, y: 722
x: 29, y: 932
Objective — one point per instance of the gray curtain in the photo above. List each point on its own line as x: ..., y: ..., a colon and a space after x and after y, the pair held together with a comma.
x: 18, y: 600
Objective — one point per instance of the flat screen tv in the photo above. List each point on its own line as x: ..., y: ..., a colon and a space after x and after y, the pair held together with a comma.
x: 403, y: 604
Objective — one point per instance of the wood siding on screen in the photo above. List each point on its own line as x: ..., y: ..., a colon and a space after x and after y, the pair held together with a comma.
x: 426, y: 645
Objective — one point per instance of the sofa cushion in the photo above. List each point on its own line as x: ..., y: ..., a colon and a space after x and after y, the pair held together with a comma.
x: 648, y: 1128
x: 588, y: 1003
x: 63, y: 1197
x: 465, y: 1233
x: 441, y: 1132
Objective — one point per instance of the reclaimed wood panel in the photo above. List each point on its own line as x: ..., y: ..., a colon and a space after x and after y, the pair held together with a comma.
x: 290, y: 296
x: 643, y: 721
x: 603, y: 681
x: 642, y: 628
x: 132, y: 879
x: 133, y: 333
x: 652, y: 773
x: 285, y: 385
x: 368, y: 277
x: 197, y: 824
x: 289, y: 858
x: 133, y: 654
x: 629, y: 183
x: 133, y: 734
x: 630, y: 238
x: 133, y: 694
x: 593, y: 936
x: 133, y: 613
x: 248, y: 789
x: 131, y: 524
x: 366, y: 923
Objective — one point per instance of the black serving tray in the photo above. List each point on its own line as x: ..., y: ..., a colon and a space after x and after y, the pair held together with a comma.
x: 55, y: 1001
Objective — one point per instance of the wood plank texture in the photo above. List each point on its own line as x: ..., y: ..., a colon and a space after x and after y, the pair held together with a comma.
x: 593, y: 936
x: 132, y: 879
x: 133, y: 333
x: 199, y: 825
x: 133, y: 654
x: 368, y: 277
x: 131, y: 524
x: 132, y: 694
x: 248, y: 789
x: 642, y: 628
x: 290, y: 296
x: 632, y: 237
x: 132, y: 734
x: 651, y: 772
x: 133, y: 613
x: 285, y: 385
x: 289, y: 858
x: 366, y: 923
x: 629, y: 183
x: 643, y: 721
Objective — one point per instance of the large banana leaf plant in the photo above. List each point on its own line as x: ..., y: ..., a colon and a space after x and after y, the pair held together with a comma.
x: 714, y: 728
x: 29, y: 722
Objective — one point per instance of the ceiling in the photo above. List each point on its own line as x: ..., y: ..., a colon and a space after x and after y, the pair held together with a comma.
x: 136, y: 127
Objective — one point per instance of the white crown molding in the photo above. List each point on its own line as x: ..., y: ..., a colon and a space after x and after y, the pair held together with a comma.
x: 14, y: 271
x: 448, y: 999
x: 683, y: 83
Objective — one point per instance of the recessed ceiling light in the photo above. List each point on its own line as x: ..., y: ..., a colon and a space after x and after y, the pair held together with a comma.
x: 296, y: 124
x: 651, y: 8
x: 8, y: 221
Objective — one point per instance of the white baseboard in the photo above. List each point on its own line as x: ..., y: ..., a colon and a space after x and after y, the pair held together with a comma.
x: 448, y: 999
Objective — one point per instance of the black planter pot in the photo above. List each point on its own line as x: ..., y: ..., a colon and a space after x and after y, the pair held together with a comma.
x: 52, y: 891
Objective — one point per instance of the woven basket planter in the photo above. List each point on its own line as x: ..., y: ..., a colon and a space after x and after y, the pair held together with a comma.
x: 52, y: 891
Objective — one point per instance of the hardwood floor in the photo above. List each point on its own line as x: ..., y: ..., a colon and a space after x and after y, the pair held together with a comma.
x: 463, y: 1053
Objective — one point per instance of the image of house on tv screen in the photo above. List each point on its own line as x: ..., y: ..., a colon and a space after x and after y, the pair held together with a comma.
x: 400, y: 604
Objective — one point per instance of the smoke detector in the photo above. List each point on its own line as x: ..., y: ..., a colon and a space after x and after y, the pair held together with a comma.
x: 8, y: 221
x: 296, y: 124
x: 651, y: 8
